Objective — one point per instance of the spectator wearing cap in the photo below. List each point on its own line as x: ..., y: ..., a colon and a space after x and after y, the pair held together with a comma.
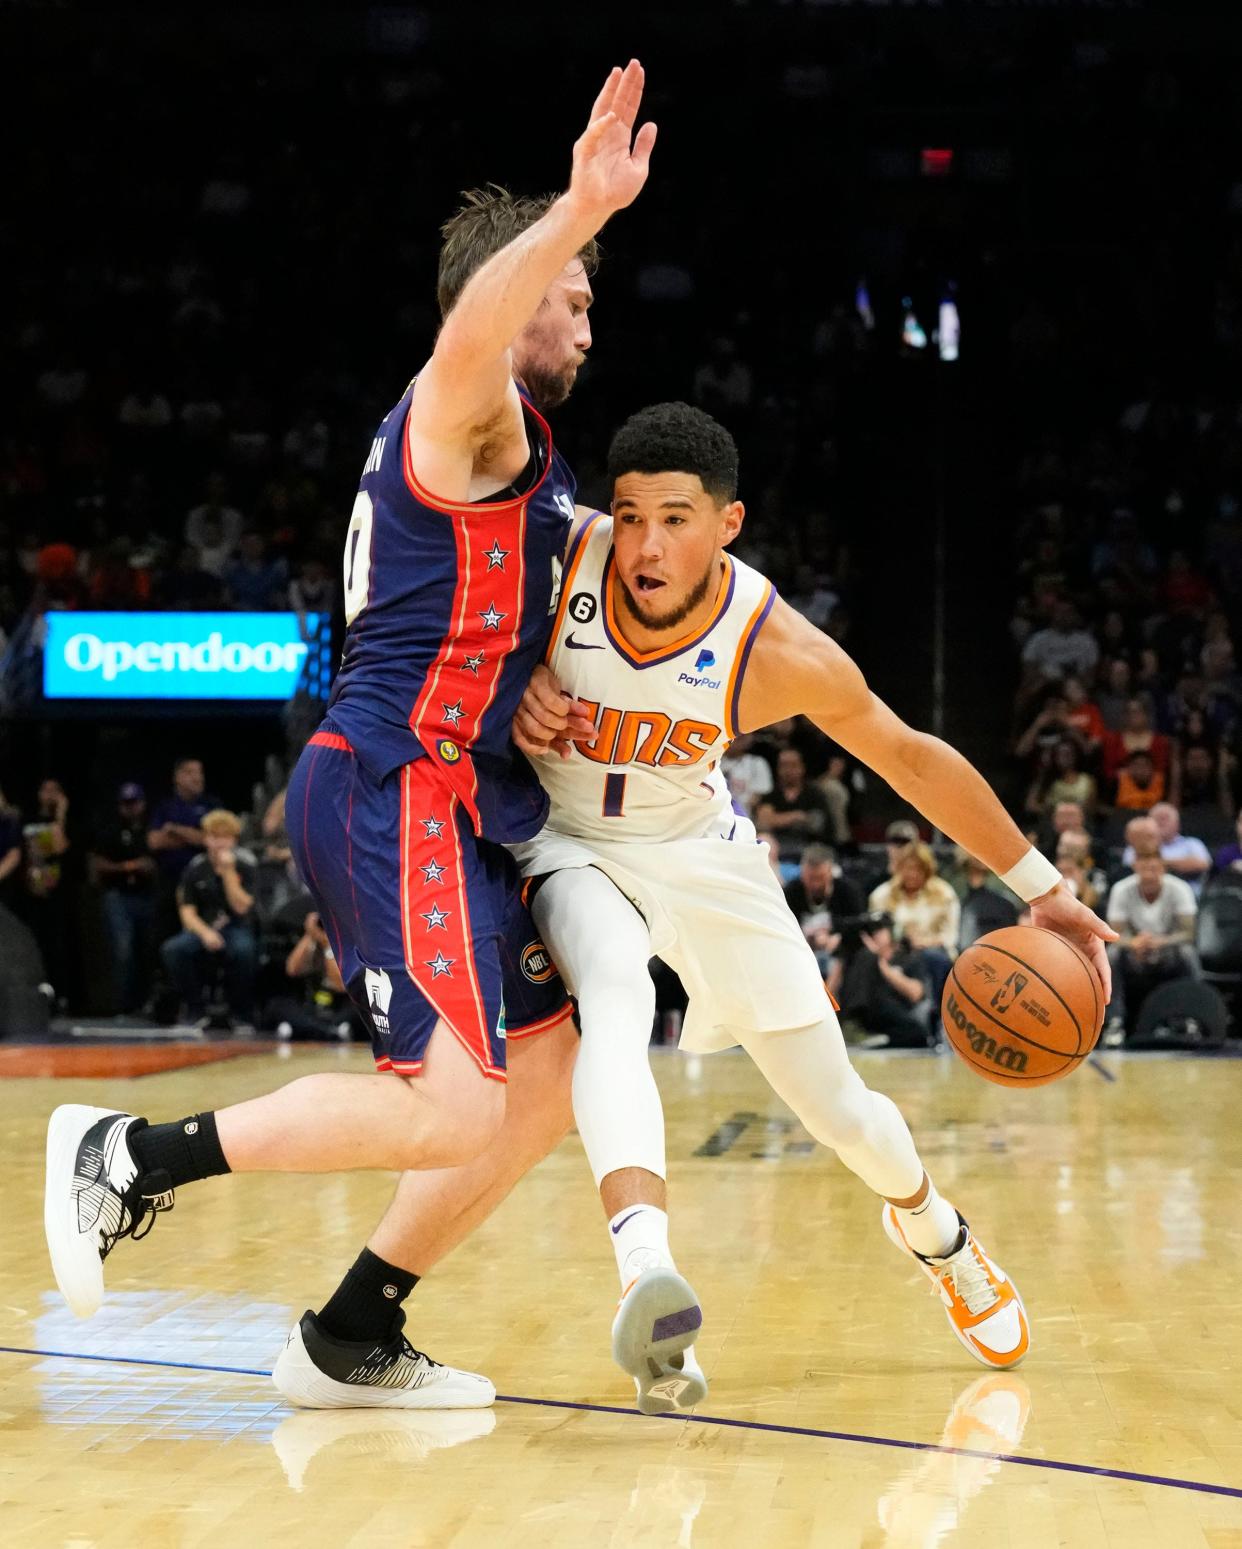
x: 925, y: 911
x: 1183, y: 855
x: 819, y: 898
x: 898, y: 837
x: 215, y: 898
x: 123, y: 868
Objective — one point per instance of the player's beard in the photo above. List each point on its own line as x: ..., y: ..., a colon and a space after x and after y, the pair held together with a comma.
x: 548, y: 388
x: 674, y: 616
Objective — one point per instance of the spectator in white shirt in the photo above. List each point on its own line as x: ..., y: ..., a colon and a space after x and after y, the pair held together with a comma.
x: 1063, y: 647
x: 1154, y: 914
x: 1183, y: 856
x: 214, y: 527
x: 747, y: 773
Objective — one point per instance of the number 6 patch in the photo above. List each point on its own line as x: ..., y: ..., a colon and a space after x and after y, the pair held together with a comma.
x: 582, y: 607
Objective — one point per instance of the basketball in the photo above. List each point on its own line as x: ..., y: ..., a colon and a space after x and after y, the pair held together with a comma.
x: 1023, y: 1006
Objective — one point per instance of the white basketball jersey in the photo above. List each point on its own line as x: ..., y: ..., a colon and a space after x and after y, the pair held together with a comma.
x: 665, y: 717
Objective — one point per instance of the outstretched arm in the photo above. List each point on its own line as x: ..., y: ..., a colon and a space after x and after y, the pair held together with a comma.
x: 797, y: 670
x: 467, y: 385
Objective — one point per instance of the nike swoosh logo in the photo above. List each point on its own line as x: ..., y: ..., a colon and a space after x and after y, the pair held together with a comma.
x: 637, y: 1212
x: 579, y: 645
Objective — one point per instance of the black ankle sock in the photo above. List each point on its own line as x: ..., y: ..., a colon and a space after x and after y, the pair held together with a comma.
x: 186, y: 1151
x: 366, y: 1303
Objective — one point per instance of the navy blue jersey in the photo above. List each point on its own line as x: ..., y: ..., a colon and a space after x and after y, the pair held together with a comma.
x: 449, y: 608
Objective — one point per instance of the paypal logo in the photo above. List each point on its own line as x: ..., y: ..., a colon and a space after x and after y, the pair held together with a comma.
x: 692, y: 681
x: 705, y: 659
x: 185, y: 655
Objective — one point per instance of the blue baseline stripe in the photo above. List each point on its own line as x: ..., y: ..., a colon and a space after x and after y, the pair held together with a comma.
x: 1101, y: 1070
x: 738, y: 1425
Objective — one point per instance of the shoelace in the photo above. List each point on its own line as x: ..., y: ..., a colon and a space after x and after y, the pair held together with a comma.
x: 408, y: 1349
x: 970, y: 1281
x: 144, y: 1199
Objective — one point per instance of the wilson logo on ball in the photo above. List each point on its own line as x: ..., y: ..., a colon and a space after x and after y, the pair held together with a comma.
x: 1004, y: 1055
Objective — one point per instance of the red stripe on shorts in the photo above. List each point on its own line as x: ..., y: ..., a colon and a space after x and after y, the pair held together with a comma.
x: 435, y: 920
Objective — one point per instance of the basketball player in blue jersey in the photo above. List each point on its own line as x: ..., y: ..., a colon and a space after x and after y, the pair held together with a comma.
x: 673, y: 647
x: 398, y: 807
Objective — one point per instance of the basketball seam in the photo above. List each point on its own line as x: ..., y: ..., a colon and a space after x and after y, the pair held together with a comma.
x: 1051, y: 988
x: 1012, y: 1032
x: 1097, y: 989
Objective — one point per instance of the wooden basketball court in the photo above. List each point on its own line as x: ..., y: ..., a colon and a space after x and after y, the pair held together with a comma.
x: 842, y: 1412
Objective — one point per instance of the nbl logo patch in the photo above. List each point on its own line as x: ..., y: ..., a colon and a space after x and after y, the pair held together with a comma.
x: 449, y: 752
x: 537, y: 964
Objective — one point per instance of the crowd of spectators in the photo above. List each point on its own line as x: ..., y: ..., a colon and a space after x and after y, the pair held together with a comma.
x: 203, y: 343
x: 206, y: 922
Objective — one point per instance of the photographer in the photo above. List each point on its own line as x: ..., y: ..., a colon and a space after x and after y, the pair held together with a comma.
x: 314, y: 1003
x: 215, y: 899
x: 882, y: 984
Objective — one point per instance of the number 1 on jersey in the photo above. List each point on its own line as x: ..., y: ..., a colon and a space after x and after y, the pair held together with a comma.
x: 614, y: 795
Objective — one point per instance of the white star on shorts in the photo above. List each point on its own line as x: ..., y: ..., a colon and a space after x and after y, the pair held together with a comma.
x: 491, y: 619
x: 432, y: 871
x: 452, y: 713
x: 473, y: 663
x: 435, y: 917
x: 434, y: 827
x: 441, y: 966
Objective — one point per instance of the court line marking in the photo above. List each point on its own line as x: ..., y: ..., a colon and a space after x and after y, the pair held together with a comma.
x: 741, y: 1425
x: 1100, y: 1070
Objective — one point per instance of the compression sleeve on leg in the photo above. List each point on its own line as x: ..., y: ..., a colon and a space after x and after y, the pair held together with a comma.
x: 602, y: 946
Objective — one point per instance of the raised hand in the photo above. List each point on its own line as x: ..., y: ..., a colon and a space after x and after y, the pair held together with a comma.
x: 611, y: 163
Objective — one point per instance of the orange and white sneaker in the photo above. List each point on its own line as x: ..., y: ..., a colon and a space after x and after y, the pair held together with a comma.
x: 981, y: 1303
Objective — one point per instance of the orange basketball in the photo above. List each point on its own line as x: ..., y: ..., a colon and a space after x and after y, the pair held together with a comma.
x: 1023, y: 1006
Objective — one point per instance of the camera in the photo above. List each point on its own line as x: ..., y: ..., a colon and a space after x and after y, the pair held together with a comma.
x: 853, y: 926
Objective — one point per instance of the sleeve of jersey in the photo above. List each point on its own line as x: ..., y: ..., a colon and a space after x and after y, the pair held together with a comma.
x: 733, y: 693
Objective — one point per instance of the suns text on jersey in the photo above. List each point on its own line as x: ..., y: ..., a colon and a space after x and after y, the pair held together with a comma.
x: 647, y: 737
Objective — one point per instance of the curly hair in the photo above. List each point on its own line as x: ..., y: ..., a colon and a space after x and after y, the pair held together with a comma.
x: 677, y: 438
x: 487, y: 220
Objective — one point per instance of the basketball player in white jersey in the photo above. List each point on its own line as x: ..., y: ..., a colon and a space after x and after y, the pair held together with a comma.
x: 672, y: 648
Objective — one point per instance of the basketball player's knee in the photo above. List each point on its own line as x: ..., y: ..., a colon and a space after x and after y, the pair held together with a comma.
x: 619, y: 994
x: 468, y: 1130
x: 848, y: 1116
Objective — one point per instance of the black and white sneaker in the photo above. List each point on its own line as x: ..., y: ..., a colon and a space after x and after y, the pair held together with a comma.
x: 316, y: 1371
x: 93, y: 1197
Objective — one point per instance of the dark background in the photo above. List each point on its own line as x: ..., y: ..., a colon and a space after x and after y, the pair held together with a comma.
x: 1090, y: 221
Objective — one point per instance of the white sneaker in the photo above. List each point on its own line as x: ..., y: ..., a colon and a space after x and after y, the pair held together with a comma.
x: 396, y: 1435
x: 981, y: 1303
x: 93, y: 1197
x: 315, y: 1371
x: 657, y: 1318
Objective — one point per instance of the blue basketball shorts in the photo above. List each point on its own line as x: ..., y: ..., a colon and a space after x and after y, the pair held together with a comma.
x: 426, y: 920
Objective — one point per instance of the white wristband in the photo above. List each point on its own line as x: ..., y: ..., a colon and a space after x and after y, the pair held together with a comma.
x: 1032, y: 877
